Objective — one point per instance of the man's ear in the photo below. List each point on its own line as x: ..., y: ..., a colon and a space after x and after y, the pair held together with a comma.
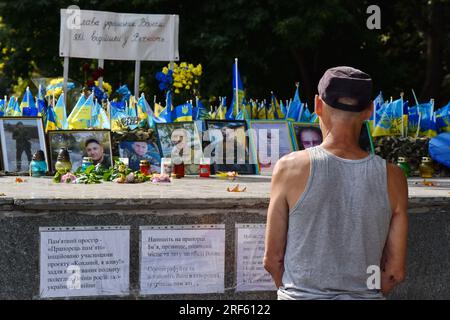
x: 318, y: 105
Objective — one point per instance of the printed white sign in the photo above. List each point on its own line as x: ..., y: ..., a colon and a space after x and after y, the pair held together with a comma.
x: 182, y: 259
x: 118, y: 36
x: 84, y: 261
x: 251, y: 275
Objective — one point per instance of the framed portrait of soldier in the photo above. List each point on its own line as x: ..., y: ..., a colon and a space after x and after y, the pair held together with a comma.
x: 20, y: 138
x: 181, y: 142
x: 227, y: 145
x: 135, y: 151
x: 95, y: 144
x: 306, y: 135
x: 269, y: 140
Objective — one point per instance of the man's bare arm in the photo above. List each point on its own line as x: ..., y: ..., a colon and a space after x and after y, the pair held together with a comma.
x: 277, y: 224
x: 393, y: 262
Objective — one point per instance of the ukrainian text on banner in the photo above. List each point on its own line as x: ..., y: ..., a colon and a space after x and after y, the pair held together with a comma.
x: 118, y: 36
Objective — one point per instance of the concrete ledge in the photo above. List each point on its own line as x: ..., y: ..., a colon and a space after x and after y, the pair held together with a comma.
x: 40, y: 202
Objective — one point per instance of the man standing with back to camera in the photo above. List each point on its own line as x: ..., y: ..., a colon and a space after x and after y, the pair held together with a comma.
x: 335, y: 210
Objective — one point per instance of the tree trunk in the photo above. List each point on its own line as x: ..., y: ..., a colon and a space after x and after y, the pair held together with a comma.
x: 434, y: 55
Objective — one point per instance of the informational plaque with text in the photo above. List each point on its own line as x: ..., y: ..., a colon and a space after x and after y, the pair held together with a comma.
x: 182, y: 259
x: 84, y: 261
x: 250, y: 272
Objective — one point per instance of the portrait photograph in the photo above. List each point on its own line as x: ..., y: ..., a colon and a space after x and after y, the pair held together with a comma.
x: 230, y: 135
x: 182, y: 141
x: 306, y: 135
x: 20, y: 138
x: 264, y: 135
x: 82, y: 143
x: 136, y: 151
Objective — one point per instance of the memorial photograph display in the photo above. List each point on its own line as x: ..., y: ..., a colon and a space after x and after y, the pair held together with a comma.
x: 95, y: 144
x: 230, y: 146
x: 20, y: 138
x: 270, y: 140
x: 181, y: 142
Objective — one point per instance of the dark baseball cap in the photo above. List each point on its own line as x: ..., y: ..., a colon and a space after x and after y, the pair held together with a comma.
x: 346, y: 88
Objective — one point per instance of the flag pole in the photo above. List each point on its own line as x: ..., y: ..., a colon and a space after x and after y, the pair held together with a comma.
x: 403, y: 123
x: 236, y: 104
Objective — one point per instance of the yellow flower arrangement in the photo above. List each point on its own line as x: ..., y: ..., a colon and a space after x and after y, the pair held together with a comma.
x: 184, y: 79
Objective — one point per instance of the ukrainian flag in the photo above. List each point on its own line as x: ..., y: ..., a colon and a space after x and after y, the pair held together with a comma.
x: 201, y: 112
x: 13, y: 109
x: 305, y: 115
x: 182, y: 113
x: 51, y: 121
x: 158, y: 109
x: 81, y: 115
x: 427, y: 121
x: 391, y: 121
x: 60, y: 112
x: 294, y: 107
x: 2, y: 107
x: 233, y: 110
x: 27, y: 106
x: 143, y: 111
x: 262, y: 112
x: 443, y: 119
x: 278, y: 111
x: 100, y: 119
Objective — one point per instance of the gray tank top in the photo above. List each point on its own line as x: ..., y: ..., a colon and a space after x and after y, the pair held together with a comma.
x: 337, y: 229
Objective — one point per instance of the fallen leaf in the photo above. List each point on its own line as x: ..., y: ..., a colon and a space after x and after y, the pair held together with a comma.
x: 429, y: 183
x: 4, y: 195
x: 236, y: 189
x: 20, y: 180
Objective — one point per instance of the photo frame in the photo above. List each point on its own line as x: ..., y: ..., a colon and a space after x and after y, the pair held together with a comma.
x: 20, y: 138
x: 235, y: 130
x: 264, y: 134
x: 306, y: 135
x: 181, y: 138
x: 81, y: 143
x: 139, y: 150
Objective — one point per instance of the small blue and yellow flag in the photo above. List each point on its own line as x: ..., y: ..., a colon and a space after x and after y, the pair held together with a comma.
x: 13, y: 109
x: 81, y: 115
x: 238, y: 88
x: 427, y: 120
x: 391, y: 122
x: 182, y: 113
x: 60, y: 112
x: 27, y: 106
x: 295, y: 106
x: 51, y: 121
x: 2, y: 107
x: 443, y: 119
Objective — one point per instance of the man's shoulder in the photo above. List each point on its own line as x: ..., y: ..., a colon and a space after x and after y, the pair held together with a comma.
x: 293, y: 164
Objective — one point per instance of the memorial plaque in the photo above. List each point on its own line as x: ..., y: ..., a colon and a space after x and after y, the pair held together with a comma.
x: 250, y: 272
x: 84, y: 261
x: 182, y: 259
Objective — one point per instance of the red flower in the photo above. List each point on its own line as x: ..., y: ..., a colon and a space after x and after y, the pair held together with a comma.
x: 90, y: 83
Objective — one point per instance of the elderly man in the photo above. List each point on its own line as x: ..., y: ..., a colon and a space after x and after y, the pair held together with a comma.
x: 337, y: 220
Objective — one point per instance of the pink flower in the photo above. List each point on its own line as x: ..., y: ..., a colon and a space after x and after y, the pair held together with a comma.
x: 68, y: 178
